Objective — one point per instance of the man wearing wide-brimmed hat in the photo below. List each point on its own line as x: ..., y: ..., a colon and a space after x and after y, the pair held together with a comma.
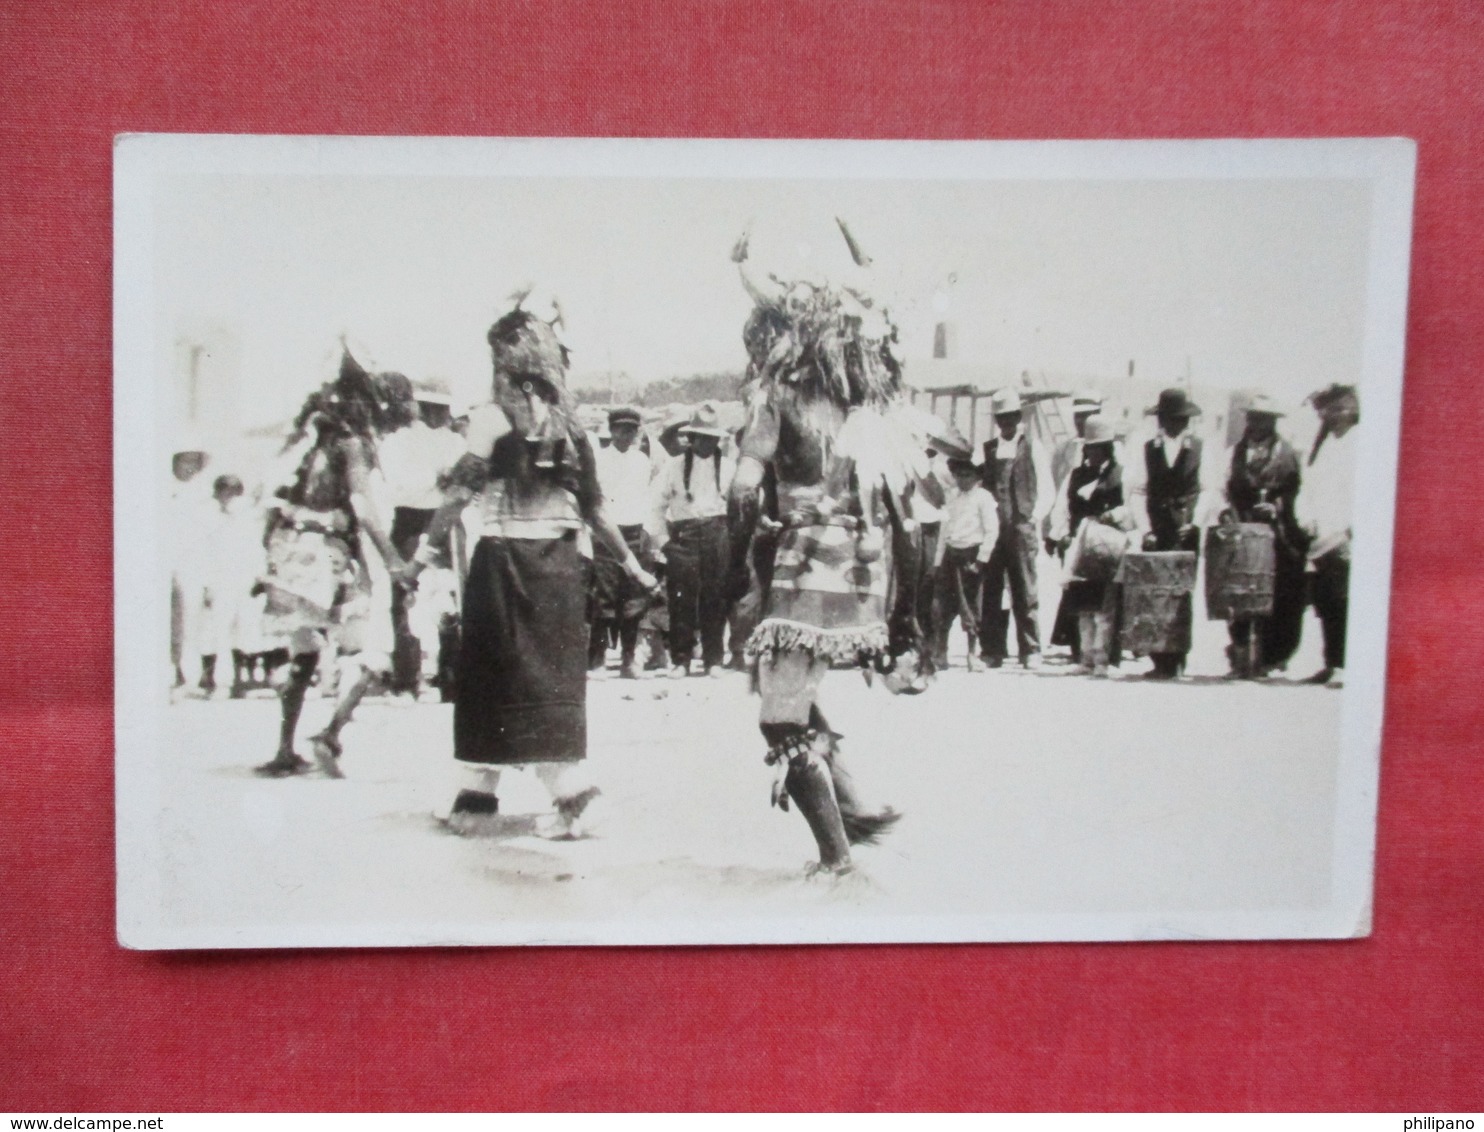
x: 1018, y: 476
x: 688, y: 522
x: 1068, y: 453
x: 624, y: 474
x: 1262, y: 486
x: 942, y: 443
x: 970, y: 527
x: 1327, y: 508
x: 1066, y: 456
x: 1172, y: 490
x: 1093, y: 493
x: 672, y: 438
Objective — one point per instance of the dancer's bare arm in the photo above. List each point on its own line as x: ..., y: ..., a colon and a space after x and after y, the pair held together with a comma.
x: 368, y: 515
x: 603, y: 525
x: 459, y: 490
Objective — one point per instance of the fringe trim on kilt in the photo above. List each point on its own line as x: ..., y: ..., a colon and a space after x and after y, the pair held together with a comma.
x: 858, y: 644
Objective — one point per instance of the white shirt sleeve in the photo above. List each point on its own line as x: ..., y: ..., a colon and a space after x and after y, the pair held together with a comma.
x: 1045, y: 496
x: 1058, y: 522
x: 1136, y: 486
x: 1213, y: 489
x: 989, y: 520
x: 660, y: 490
x: 487, y: 423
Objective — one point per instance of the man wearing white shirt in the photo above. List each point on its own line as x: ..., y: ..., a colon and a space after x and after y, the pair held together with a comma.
x: 688, y: 521
x: 413, y: 459
x: 1326, y: 508
x: 971, y: 526
x: 1018, y: 475
x: 624, y: 474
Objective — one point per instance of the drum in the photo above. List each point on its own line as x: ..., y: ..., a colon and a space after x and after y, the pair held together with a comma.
x: 1156, y: 601
x: 1239, y: 571
x: 1096, y: 552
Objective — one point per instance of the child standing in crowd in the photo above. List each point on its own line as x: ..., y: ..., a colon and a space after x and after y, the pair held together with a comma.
x: 970, y: 528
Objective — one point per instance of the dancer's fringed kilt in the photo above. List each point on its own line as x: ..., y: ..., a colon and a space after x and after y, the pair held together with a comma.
x: 822, y: 600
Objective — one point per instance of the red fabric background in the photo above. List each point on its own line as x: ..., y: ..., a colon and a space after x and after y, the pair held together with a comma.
x: 1393, y: 1022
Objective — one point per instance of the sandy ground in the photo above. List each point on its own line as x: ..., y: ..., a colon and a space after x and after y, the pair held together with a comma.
x: 1031, y: 800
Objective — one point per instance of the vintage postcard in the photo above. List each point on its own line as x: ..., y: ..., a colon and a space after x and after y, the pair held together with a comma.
x: 556, y: 541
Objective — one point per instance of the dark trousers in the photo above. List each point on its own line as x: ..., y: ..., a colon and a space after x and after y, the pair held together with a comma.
x: 1012, y: 563
x: 408, y: 525
x: 618, y: 603
x: 927, y: 590
x: 956, y: 593
x: 1331, y: 595
x: 694, y: 578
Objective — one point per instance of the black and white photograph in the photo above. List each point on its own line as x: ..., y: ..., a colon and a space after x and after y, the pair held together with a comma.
x: 535, y: 541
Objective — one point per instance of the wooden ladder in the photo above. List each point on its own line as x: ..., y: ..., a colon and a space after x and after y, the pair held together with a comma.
x: 1050, y: 414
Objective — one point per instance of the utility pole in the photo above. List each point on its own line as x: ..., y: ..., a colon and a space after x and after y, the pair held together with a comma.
x: 193, y: 383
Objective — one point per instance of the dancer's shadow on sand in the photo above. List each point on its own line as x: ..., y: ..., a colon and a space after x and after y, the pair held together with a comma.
x: 514, y: 850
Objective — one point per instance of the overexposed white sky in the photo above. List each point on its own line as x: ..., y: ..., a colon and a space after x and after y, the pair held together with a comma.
x: 1258, y: 283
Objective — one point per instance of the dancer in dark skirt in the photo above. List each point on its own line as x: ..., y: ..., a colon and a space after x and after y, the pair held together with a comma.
x: 522, y: 669
x: 524, y: 653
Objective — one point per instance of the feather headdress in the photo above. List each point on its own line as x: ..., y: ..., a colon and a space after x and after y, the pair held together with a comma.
x: 824, y: 341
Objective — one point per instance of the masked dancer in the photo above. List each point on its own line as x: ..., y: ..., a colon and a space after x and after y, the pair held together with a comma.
x: 826, y: 419
x: 331, y: 563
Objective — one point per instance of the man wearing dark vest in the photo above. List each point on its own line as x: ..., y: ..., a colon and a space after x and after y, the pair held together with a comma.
x: 1261, y: 487
x: 1016, y: 474
x: 1172, y: 484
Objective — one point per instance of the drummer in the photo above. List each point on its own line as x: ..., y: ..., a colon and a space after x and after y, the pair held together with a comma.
x: 1064, y: 457
x: 1262, y: 485
x: 1093, y: 494
x: 1173, y: 480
